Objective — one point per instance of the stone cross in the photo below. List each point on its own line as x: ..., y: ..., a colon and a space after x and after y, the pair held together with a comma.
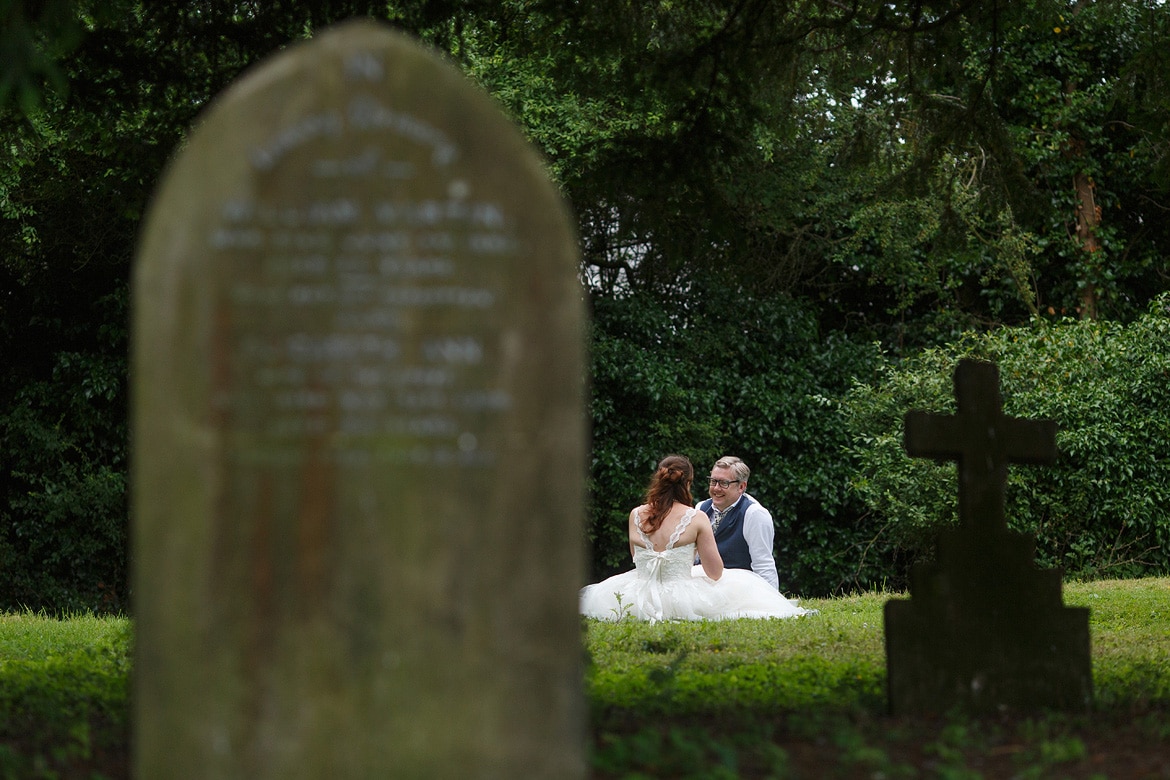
x: 358, y: 433
x: 984, y: 628
x: 983, y: 440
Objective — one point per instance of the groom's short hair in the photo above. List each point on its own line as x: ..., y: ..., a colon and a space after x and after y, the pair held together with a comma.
x: 742, y: 472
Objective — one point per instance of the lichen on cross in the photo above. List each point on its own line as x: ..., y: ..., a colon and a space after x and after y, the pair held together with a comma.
x: 983, y: 440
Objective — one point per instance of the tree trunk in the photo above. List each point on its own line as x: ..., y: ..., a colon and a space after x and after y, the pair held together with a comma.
x: 1088, y: 215
x: 1088, y: 220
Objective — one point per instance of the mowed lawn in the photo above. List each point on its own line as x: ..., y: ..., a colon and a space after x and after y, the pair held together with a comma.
x: 748, y: 698
x: 806, y: 698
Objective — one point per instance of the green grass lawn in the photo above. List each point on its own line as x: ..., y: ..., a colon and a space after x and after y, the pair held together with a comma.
x: 64, y: 696
x: 747, y: 698
x: 806, y: 698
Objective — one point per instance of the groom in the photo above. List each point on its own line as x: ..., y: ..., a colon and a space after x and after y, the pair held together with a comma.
x: 743, y: 528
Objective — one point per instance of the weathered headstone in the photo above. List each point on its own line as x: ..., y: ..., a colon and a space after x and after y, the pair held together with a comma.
x: 984, y: 629
x: 358, y: 434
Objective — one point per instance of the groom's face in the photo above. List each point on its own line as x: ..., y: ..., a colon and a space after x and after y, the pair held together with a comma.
x: 723, y: 497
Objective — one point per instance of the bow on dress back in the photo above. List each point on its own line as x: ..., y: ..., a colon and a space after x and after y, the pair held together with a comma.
x: 657, y: 569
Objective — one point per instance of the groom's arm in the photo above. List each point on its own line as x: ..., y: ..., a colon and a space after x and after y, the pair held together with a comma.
x: 760, y: 535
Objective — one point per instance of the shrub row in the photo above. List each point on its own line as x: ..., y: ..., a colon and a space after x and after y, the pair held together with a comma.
x: 719, y: 374
x: 1102, y: 509
x: 817, y: 416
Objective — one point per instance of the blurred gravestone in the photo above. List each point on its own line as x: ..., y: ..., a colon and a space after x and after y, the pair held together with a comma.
x: 984, y: 628
x: 358, y: 434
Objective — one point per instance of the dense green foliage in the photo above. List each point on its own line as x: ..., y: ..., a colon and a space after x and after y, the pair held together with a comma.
x: 764, y: 190
x: 697, y: 377
x: 77, y: 168
x: 63, y: 334
x: 74, y: 178
x: 1027, y: 176
x: 1100, y: 511
x: 918, y: 164
x: 819, y: 448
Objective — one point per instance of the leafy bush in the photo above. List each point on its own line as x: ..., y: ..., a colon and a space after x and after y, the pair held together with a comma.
x: 724, y: 373
x: 1101, y: 510
x: 63, y: 504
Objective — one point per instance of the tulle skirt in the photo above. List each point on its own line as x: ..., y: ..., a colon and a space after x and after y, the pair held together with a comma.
x: 739, y: 593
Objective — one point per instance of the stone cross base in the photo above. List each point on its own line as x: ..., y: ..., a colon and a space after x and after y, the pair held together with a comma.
x: 985, y: 630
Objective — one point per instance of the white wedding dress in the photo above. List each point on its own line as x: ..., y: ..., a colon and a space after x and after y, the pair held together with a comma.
x: 667, y: 585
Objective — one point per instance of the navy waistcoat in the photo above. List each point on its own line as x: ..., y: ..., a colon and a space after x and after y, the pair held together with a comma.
x: 733, y: 548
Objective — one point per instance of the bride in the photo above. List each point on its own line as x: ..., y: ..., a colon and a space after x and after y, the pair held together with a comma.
x: 664, y: 534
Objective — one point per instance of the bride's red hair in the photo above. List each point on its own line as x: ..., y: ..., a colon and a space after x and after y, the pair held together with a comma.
x: 670, y: 483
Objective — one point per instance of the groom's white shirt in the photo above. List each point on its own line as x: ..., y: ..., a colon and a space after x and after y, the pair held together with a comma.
x: 760, y: 535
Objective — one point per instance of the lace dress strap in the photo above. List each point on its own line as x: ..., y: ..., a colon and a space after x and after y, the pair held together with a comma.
x: 678, y: 529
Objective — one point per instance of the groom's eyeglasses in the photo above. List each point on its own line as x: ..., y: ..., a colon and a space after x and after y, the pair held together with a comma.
x: 723, y: 483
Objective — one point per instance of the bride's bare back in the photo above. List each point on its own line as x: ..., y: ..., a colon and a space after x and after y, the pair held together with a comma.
x: 698, y: 532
